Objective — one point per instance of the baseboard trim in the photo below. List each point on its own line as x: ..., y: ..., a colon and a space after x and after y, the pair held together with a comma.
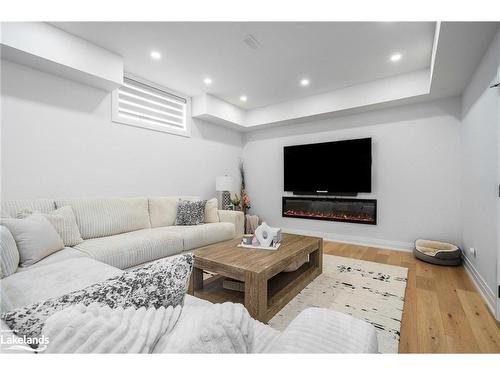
x: 355, y: 240
x: 485, y: 291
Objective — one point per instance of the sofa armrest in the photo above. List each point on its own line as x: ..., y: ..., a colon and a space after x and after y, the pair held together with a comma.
x: 235, y: 217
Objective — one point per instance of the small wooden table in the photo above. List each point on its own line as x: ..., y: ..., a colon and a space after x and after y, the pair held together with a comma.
x: 267, y: 288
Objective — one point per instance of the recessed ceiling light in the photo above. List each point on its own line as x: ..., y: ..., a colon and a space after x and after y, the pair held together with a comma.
x: 243, y: 98
x: 155, y: 55
x: 304, y: 82
x: 207, y: 81
x: 396, y: 57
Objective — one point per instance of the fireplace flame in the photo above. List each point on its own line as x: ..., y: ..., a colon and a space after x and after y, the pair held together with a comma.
x: 331, y: 215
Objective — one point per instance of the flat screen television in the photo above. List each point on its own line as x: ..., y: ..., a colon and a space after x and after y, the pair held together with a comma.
x: 329, y: 168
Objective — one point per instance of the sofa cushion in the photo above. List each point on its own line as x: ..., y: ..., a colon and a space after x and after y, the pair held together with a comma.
x: 195, y: 236
x: 12, y: 208
x: 9, y: 255
x: 52, y: 280
x: 35, y: 237
x: 130, y: 249
x: 163, y: 210
x: 58, y: 256
x: 64, y: 222
x: 102, y: 217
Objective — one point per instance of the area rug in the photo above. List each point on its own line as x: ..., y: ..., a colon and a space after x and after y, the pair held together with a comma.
x: 373, y: 292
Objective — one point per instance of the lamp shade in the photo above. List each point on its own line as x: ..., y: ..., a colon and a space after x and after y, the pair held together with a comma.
x: 224, y: 183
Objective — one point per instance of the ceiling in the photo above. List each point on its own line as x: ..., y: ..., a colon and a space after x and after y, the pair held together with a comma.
x: 331, y: 55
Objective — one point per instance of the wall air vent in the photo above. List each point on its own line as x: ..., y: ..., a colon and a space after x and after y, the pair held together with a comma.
x: 143, y: 104
x: 251, y: 42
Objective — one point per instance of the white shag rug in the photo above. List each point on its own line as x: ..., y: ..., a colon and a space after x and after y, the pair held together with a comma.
x: 370, y: 291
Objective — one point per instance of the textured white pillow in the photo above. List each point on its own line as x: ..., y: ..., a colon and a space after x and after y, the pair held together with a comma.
x: 211, y: 211
x: 64, y: 222
x: 35, y: 237
x: 8, y: 253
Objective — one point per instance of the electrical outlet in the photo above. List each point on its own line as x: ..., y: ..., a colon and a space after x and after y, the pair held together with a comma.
x: 472, y: 251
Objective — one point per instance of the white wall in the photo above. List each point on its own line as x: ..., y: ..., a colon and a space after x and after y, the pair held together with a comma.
x: 480, y: 158
x: 416, y: 172
x: 58, y: 141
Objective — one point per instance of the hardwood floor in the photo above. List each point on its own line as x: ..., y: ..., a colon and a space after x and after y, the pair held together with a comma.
x: 443, y: 313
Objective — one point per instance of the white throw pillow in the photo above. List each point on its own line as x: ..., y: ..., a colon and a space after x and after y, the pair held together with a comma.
x: 64, y: 222
x: 211, y: 211
x: 8, y: 253
x: 35, y: 237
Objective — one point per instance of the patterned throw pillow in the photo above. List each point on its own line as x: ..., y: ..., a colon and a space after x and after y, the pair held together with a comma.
x: 161, y: 283
x: 190, y: 213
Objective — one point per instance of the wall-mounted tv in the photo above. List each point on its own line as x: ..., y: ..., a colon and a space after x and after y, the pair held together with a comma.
x: 329, y: 168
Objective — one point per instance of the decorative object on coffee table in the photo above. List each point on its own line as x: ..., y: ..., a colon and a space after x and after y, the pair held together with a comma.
x: 224, y: 184
x: 247, y: 239
x: 250, y: 241
x: 266, y: 234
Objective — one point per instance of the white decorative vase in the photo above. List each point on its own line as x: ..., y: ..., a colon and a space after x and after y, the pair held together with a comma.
x: 265, y: 234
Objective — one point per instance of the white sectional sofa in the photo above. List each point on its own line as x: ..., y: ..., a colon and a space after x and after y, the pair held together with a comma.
x: 126, y: 232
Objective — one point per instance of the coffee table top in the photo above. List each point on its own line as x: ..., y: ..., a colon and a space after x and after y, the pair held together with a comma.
x: 232, y: 261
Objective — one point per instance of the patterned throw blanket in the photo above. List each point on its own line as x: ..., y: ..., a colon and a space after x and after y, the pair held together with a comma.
x: 158, y: 284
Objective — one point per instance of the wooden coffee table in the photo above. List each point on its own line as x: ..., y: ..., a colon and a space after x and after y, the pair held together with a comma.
x: 267, y: 288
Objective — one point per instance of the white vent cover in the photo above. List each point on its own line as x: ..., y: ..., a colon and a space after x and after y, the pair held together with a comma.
x: 140, y: 104
x: 252, y: 42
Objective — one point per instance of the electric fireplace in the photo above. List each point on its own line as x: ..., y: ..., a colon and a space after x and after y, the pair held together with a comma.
x: 361, y: 211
